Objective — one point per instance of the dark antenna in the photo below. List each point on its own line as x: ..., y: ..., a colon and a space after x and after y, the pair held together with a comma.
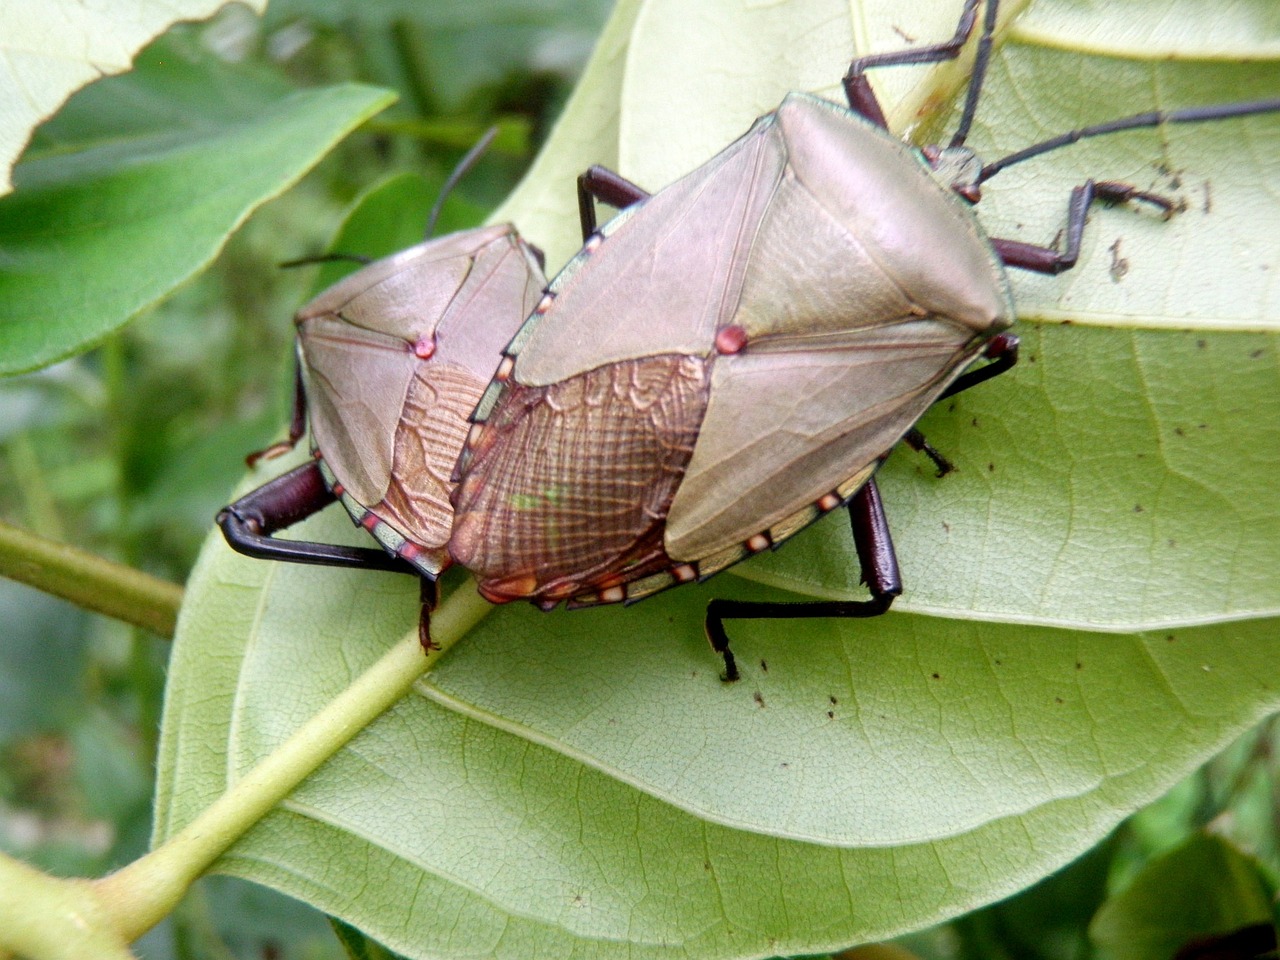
x: 464, y: 165
x: 981, y: 61
x: 1154, y: 118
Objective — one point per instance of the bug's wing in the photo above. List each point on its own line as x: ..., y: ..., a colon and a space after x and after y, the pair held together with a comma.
x: 667, y: 275
x: 406, y: 294
x: 868, y: 290
x: 356, y: 381
x: 390, y: 424
x: 766, y: 454
x: 576, y: 478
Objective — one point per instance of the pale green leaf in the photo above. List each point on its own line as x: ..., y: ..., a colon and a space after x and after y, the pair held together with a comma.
x: 1099, y: 570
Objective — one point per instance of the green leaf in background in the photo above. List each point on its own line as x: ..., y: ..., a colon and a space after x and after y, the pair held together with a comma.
x: 132, y: 218
x: 1098, y: 573
x: 51, y: 48
x: 447, y: 51
x: 1205, y: 887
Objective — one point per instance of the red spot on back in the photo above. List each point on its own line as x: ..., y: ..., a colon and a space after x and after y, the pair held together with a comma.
x: 731, y: 339
x: 424, y: 348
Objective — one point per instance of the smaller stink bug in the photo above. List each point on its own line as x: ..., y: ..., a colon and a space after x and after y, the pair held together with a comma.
x: 391, y: 360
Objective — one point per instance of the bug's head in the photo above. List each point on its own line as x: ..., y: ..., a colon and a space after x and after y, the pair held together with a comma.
x: 957, y: 168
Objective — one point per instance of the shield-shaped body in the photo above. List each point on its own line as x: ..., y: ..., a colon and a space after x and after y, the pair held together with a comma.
x: 393, y: 359
x: 728, y: 360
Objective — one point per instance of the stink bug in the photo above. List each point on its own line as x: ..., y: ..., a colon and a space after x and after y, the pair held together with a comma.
x: 391, y: 360
x: 733, y: 357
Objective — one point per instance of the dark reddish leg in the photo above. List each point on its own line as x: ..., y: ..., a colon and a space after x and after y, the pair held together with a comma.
x: 297, y: 425
x: 862, y: 98
x: 248, y: 524
x: 608, y: 187
x: 879, y: 572
x: 1030, y: 256
x: 428, y: 599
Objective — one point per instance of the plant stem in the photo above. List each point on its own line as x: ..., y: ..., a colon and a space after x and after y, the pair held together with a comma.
x: 142, y: 893
x: 89, y: 581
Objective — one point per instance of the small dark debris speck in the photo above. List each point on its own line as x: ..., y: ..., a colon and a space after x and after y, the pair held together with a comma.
x: 1058, y: 700
x: 1137, y: 508
x: 1079, y: 665
x: 833, y: 700
x: 831, y: 714
x: 759, y: 699
x: 937, y: 676
x: 764, y: 667
x: 1255, y: 354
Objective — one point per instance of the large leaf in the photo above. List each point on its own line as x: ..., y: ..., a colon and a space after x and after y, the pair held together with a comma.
x: 53, y: 47
x: 581, y: 783
x: 98, y: 230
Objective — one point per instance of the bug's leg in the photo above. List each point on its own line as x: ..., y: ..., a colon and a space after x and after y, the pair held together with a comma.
x: 1001, y: 352
x: 297, y: 425
x: 879, y: 572
x: 1030, y: 256
x: 428, y: 599
x: 601, y: 183
x: 914, y: 439
x: 248, y: 524
x: 862, y: 98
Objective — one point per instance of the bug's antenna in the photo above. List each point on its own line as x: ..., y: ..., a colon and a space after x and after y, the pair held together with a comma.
x: 1221, y: 111
x: 981, y: 61
x: 325, y: 258
x: 464, y: 165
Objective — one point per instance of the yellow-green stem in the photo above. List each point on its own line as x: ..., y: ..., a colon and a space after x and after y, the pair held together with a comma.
x: 89, y: 581
x: 141, y: 894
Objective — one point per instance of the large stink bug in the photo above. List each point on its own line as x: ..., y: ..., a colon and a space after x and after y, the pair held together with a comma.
x: 733, y: 357
x: 391, y: 360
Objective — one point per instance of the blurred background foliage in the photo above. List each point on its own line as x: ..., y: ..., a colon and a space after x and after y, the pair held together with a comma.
x: 130, y: 449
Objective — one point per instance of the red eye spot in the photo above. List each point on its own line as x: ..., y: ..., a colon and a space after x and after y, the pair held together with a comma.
x: 424, y: 348
x: 731, y: 339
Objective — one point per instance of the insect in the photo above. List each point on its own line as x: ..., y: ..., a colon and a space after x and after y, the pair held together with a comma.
x: 734, y: 356
x: 391, y: 360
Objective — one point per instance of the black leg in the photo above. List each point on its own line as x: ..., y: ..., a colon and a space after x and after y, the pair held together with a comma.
x: 1001, y: 350
x: 862, y: 98
x: 297, y: 425
x: 601, y: 183
x: 1029, y: 256
x: 879, y: 572
x: 249, y: 523
x: 914, y: 439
